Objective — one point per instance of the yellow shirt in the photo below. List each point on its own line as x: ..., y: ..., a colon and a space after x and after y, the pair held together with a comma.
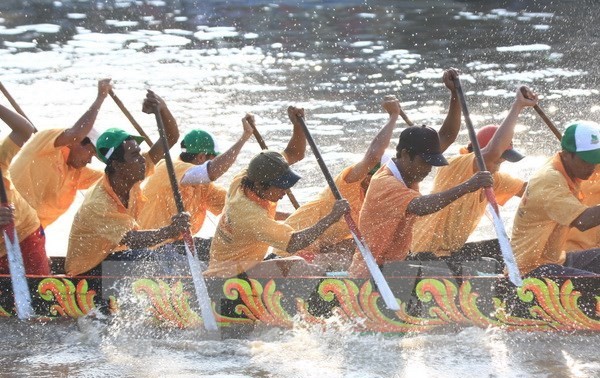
x: 447, y: 230
x: 42, y: 176
x: 197, y: 199
x: 384, y: 223
x: 550, y: 204
x: 26, y: 220
x: 590, y: 239
x: 246, y: 230
x: 310, y: 213
x: 101, y: 223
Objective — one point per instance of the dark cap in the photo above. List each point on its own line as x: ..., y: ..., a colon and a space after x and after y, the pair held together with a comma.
x: 423, y: 141
x: 270, y: 167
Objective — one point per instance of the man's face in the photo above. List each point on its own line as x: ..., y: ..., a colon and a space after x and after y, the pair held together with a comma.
x: 134, y: 163
x: 80, y: 155
x: 416, y: 169
x: 272, y: 193
x: 578, y: 167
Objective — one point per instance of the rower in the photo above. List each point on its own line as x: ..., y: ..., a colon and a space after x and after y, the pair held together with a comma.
x: 552, y: 204
x: 589, y: 239
x: 52, y: 166
x: 200, y: 164
x: 248, y: 225
x: 27, y: 224
x: 443, y: 234
x: 105, y: 226
x: 393, y: 201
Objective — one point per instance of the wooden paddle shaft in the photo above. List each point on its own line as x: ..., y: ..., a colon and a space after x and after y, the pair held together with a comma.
x: 15, y: 105
x: 544, y: 117
x: 136, y: 125
x: 169, y: 163
x: 3, y: 195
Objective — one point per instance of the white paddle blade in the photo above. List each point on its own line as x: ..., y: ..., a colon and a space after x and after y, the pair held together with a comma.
x: 17, y: 276
x: 507, y: 253
x: 210, y: 323
x: 382, y: 285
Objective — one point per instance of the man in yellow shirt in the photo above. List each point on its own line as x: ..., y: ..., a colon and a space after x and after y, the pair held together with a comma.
x: 589, y: 239
x: 248, y: 226
x: 443, y: 233
x: 552, y: 204
x: 106, y: 224
x: 52, y: 166
x: 200, y: 163
x: 27, y: 225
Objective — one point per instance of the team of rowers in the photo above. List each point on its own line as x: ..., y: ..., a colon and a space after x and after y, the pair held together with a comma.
x: 128, y: 210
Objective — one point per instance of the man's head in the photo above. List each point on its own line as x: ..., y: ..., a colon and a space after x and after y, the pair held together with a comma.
x: 417, y: 151
x: 198, y: 146
x: 270, y: 175
x: 121, y: 153
x: 81, y: 153
x: 484, y: 135
x: 581, y: 147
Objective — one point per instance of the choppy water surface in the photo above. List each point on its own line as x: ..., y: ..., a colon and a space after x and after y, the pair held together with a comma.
x: 214, y: 61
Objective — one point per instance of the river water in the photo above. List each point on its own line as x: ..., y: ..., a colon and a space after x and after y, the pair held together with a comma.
x: 213, y: 61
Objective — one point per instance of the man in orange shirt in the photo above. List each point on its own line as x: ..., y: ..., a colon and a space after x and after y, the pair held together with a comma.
x: 27, y: 224
x: 552, y: 204
x: 393, y: 201
x: 443, y: 233
x: 52, y: 166
x: 589, y: 239
x: 106, y: 224
x: 199, y: 165
x: 248, y: 225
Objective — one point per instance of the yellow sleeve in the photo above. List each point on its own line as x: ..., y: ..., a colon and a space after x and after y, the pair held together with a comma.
x: 88, y: 177
x: 506, y: 187
x: 215, y: 198
x: 562, y: 206
x: 267, y: 230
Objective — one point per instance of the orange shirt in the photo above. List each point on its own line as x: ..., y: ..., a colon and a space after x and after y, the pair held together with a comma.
x: 447, y: 230
x: 550, y: 204
x: 101, y: 223
x: 197, y: 199
x: 384, y: 223
x: 42, y: 176
x: 590, y: 239
x: 245, y: 231
x: 310, y: 213
x: 26, y: 220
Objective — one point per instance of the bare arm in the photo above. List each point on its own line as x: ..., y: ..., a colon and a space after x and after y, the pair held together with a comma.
x: 302, y: 239
x: 139, y: 239
x: 152, y: 101
x: 503, y: 136
x: 590, y: 218
x: 82, y: 127
x: 432, y: 203
x: 220, y: 164
x: 20, y: 126
x: 296, y: 147
x: 377, y: 147
x: 451, y: 126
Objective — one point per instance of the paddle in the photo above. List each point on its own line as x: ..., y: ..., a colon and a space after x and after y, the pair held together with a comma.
x: 402, y: 114
x: 384, y: 288
x: 210, y: 322
x: 263, y: 145
x: 136, y: 125
x: 509, y: 259
x: 15, y: 263
x: 15, y: 105
x: 544, y: 117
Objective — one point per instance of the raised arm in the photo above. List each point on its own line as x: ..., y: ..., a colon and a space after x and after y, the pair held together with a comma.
x: 503, y: 136
x: 82, y: 127
x: 151, y: 102
x: 296, y: 147
x: 451, y: 126
x: 379, y: 143
x: 220, y: 164
x: 20, y: 126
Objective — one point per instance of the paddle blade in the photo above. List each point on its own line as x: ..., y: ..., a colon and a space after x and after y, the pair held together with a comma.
x: 507, y: 253
x: 210, y: 323
x: 17, y: 274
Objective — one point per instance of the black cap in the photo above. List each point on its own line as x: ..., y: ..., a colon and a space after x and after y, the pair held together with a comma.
x: 271, y: 168
x: 423, y: 141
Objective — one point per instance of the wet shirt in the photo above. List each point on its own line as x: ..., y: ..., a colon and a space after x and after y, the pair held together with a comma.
x: 197, y: 199
x: 385, y: 225
x: 26, y: 220
x: 550, y: 204
x: 42, y: 176
x: 101, y: 223
x: 590, y: 239
x: 447, y: 230
x: 245, y: 231
x: 310, y: 213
